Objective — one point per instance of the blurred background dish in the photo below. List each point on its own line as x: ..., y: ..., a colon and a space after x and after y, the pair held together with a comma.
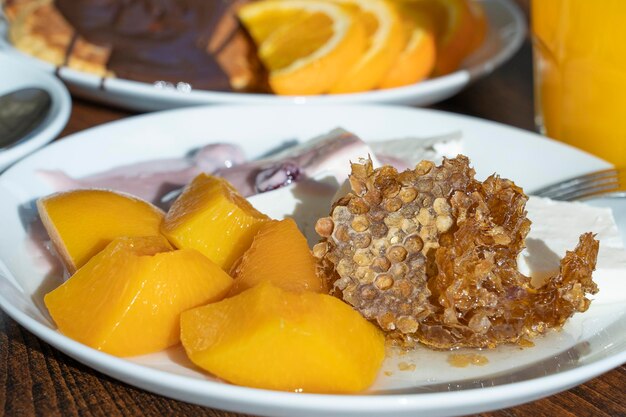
x: 16, y: 75
x: 115, y: 71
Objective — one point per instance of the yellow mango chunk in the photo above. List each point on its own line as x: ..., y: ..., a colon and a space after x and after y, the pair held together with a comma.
x: 279, y: 254
x: 128, y: 298
x: 81, y: 223
x: 211, y: 217
x: 267, y: 337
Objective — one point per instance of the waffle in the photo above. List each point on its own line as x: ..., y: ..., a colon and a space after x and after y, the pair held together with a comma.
x: 38, y: 28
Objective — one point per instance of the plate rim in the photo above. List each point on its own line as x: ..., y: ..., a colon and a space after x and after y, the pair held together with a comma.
x: 374, y: 403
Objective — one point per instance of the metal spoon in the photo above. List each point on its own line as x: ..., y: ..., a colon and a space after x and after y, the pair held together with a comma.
x: 21, y: 112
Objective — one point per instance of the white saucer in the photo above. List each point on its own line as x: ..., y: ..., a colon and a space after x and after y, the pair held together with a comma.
x: 15, y: 74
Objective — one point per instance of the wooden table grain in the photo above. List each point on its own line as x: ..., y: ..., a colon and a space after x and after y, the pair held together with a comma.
x: 38, y: 380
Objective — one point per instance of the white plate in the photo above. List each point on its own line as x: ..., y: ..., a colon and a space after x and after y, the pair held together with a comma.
x: 590, y: 344
x: 506, y: 34
x: 15, y: 74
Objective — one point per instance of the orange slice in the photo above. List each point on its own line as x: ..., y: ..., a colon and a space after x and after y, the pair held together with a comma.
x: 480, y: 25
x: 454, y: 26
x: 417, y: 59
x: 304, y: 44
x: 456, y: 35
x: 385, y: 43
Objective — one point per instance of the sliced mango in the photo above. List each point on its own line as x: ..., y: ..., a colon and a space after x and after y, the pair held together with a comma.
x: 128, y: 298
x: 279, y: 254
x: 271, y: 338
x: 211, y: 217
x: 81, y: 223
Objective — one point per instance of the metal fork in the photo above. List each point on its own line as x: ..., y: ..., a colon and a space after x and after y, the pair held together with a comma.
x: 605, y: 183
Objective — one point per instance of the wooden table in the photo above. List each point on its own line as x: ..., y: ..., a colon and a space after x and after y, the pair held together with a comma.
x: 36, y: 379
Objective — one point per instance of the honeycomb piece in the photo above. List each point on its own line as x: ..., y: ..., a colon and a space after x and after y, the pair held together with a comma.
x: 430, y: 255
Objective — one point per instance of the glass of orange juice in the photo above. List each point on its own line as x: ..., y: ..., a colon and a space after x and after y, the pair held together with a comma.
x: 579, y: 51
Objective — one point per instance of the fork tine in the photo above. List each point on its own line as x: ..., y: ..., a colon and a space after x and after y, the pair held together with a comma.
x: 604, y: 180
x: 575, y: 181
x: 587, y: 192
x: 582, y: 188
x: 618, y: 189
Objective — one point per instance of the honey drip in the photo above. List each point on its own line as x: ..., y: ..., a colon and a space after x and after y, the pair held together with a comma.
x: 462, y: 360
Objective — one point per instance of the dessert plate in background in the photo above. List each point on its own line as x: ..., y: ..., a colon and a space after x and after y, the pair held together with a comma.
x: 589, y: 344
x: 507, y: 29
x: 16, y: 74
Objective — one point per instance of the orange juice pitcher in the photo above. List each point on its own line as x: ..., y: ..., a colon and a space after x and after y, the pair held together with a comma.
x: 580, y: 74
